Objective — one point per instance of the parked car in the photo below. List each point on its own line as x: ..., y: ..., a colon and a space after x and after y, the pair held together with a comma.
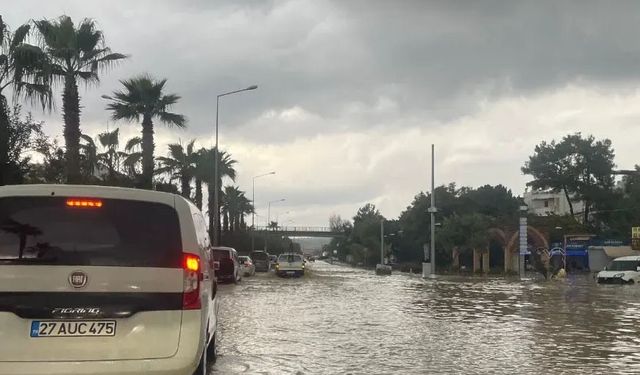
x: 261, y: 260
x: 247, y: 266
x: 95, y: 281
x: 290, y: 264
x: 226, y: 264
x: 623, y: 270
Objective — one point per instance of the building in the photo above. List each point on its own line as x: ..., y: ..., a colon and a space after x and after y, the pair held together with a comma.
x: 544, y: 203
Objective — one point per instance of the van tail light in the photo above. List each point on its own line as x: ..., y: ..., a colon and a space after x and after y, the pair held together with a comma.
x: 192, y: 270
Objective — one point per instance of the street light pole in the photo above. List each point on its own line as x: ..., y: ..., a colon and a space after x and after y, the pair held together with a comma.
x: 253, y: 213
x: 432, y: 211
x: 382, y: 241
x: 268, y: 221
x: 216, y: 208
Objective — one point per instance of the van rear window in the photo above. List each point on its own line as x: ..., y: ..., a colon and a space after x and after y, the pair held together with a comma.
x: 221, y: 254
x: 115, y: 232
x: 259, y: 255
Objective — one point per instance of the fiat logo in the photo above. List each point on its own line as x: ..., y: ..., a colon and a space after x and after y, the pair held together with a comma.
x: 78, y: 279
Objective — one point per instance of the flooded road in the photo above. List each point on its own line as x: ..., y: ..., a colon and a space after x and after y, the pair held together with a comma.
x: 339, y: 320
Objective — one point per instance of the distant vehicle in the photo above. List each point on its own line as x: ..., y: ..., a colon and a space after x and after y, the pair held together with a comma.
x: 104, y: 280
x: 247, y: 266
x: 226, y: 264
x: 290, y: 264
x: 623, y: 270
x: 261, y: 260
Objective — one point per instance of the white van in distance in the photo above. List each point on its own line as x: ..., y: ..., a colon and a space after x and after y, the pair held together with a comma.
x: 623, y: 270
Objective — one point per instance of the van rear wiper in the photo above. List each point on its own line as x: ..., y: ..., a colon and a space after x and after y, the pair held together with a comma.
x: 29, y: 260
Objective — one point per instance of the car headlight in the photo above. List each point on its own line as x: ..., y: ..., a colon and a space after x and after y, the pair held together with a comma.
x: 619, y: 275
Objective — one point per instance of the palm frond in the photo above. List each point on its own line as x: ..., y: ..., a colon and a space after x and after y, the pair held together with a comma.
x: 173, y: 119
x: 132, y: 143
x: 88, y: 38
x: 90, y: 77
x: 121, y: 111
x: 3, y: 29
x: 19, y: 35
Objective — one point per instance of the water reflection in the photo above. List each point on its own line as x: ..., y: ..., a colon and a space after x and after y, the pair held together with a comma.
x: 343, y: 320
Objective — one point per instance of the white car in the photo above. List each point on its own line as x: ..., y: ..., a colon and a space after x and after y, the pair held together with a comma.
x: 290, y: 264
x: 247, y: 266
x: 623, y: 270
x: 103, y: 280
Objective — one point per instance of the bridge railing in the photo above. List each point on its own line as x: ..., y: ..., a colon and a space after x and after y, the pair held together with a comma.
x: 294, y: 229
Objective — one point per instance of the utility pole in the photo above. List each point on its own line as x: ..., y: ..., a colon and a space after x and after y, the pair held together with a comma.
x: 432, y: 211
x: 429, y: 268
x: 382, y: 241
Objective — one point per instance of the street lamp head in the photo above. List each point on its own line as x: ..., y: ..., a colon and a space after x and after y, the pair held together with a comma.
x: 252, y: 87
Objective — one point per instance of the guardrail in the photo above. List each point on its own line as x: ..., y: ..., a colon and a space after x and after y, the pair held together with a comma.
x: 294, y: 229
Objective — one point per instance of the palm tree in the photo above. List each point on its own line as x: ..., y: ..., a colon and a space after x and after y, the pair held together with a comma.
x: 88, y: 157
x: 231, y: 200
x: 181, y: 164
x: 23, y: 68
x: 133, y: 158
x: 235, y: 205
x: 205, y: 172
x: 111, y: 157
x: 143, y: 97
x: 75, y: 54
x: 245, y: 208
x: 198, y: 173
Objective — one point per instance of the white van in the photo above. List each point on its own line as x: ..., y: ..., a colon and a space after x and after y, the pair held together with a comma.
x: 103, y: 280
x: 623, y: 270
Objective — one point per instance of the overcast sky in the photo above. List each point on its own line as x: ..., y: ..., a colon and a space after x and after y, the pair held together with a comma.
x: 352, y: 93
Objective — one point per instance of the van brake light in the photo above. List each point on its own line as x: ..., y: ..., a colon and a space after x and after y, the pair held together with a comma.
x: 192, y: 276
x: 84, y: 203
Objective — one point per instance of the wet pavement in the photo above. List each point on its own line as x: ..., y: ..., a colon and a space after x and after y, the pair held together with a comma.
x: 341, y: 320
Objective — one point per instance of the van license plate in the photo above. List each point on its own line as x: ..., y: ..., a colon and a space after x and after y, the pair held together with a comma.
x: 75, y: 328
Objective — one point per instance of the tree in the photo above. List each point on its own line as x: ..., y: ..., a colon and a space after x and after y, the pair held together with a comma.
x: 74, y: 54
x: 23, y: 68
x: 181, y: 163
x: 52, y: 169
x: 110, y: 158
x: 204, y: 171
x: 465, y: 232
x: 133, y: 159
x: 24, y: 135
x: 582, y: 168
x: 235, y: 206
x: 88, y: 158
x: 143, y: 97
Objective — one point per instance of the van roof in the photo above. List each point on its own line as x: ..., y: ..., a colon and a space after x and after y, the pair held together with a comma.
x: 223, y: 248
x: 629, y: 257
x: 93, y: 191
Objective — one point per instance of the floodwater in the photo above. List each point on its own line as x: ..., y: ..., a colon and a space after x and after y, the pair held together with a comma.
x: 341, y: 320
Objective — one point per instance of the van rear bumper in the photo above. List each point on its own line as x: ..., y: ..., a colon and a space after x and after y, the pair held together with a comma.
x: 165, y: 366
x: 184, y: 362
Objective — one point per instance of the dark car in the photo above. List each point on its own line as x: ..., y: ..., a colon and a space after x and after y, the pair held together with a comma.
x: 226, y: 264
x: 261, y: 261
